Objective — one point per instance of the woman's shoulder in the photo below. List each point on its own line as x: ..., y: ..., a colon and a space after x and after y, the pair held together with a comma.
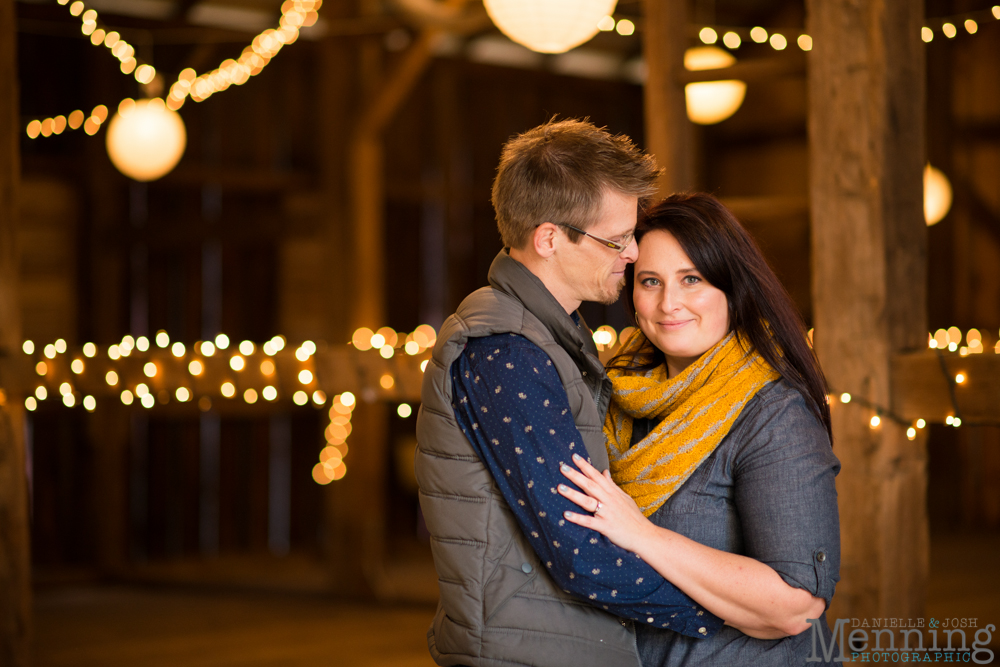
x: 779, y: 417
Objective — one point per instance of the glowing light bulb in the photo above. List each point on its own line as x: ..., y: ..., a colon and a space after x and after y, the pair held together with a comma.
x: 551, y: 26
x: 147, y: 143
x: 710, y: 102
x: 937, y: 195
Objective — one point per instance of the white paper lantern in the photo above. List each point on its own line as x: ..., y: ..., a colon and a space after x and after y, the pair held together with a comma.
x: 146, y: 139
x: 710, y: 102
x: 937, y: 195
x: 549, y: 26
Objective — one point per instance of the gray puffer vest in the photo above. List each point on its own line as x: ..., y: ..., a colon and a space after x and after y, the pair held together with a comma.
x: 498, y: 606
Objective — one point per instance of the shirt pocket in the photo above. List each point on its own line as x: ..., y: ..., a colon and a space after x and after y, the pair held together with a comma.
x: 707, y: 491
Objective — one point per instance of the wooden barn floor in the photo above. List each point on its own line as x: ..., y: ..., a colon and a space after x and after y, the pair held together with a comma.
x: 180, y: 621
x: 119, y: 626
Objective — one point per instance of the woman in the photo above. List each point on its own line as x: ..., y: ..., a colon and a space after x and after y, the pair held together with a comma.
x: 718, y: 436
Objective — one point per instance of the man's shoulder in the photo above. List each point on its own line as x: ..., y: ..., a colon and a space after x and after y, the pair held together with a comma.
x: 505, y: 349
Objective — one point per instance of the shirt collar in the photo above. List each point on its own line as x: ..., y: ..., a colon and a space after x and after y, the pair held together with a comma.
x: 570, y: 331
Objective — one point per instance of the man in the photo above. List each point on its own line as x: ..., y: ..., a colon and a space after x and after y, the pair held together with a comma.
x: 514, y: 390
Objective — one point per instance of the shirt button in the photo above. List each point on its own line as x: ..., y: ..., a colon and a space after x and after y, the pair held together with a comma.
x: 526, y: 568
x: 821, y: 556
x: 702, y: 630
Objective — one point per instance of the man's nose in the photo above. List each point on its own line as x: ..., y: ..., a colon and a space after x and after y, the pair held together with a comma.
x: 631, y: 251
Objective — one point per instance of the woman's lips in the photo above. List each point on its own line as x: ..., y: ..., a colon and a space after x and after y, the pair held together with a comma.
x: 673, y: 325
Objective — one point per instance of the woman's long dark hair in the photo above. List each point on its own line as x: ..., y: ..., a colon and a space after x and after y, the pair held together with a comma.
x: 760, y: 310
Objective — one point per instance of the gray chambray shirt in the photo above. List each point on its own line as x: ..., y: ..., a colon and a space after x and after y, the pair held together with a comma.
x: 767, y: 492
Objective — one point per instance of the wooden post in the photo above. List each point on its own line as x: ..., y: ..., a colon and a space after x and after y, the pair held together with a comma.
x: 367, y: 186
x: 355, y: 505
x: 15, y: 561
x: 866, y: 130
x: 669, y: 134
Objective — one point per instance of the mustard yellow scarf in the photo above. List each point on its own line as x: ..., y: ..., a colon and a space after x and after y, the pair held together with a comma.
x: 696, y: 410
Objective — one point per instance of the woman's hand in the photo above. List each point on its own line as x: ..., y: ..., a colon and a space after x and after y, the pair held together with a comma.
x: 615, y: 514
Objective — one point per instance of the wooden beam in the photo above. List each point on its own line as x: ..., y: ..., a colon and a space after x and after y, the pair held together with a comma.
x: 767, y: 207
x: 669, y: 133
x: 866, y: 130
x: 749, y: 71
x: 15, y: 561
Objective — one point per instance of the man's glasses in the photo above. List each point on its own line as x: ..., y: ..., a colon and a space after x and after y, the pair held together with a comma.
x: 624, y: 242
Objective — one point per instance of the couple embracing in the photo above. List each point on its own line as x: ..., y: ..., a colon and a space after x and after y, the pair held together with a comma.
x: 675, y: 508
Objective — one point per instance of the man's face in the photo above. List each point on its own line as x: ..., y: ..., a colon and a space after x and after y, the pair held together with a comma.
x: 591, y: 270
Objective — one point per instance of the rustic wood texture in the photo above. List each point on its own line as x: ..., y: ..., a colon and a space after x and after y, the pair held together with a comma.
x: 669, y: 134
x: 15, y: 562
x: 866, y: 129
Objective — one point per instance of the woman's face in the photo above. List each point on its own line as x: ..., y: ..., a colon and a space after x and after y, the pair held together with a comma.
x: 678, y: 310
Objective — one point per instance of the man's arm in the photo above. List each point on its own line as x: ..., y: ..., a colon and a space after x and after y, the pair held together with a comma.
x: 511, y: 404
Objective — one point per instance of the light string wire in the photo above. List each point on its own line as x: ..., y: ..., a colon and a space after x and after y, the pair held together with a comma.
x: 193, y: 378
x: 295, y: 15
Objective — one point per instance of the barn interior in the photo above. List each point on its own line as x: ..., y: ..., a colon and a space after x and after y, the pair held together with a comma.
x: 324, y: 204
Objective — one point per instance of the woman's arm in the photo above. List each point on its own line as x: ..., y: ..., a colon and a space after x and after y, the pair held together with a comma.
x: 748, y: 594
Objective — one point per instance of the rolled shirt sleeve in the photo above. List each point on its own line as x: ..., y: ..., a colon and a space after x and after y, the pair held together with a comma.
x: 787, y: 498
x: 511, y: 405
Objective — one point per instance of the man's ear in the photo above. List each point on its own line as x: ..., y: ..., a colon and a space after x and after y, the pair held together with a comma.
x: 545, y: 239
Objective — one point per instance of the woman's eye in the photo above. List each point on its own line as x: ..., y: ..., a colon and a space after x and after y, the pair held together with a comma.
x: 650, y: 282
x: 691, y: 280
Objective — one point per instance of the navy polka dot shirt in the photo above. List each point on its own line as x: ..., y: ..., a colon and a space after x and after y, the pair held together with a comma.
x: 511, y: 405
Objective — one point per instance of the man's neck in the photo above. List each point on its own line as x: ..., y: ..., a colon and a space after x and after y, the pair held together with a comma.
x: 543, y: 271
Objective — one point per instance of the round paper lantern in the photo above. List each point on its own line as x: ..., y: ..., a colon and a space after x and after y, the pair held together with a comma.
x: 549, y: 26
x: 937, y: 195
x: 146, y: 139
x: 710, y: 102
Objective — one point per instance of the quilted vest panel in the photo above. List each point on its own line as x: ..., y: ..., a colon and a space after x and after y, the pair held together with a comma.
x: 491, y: 611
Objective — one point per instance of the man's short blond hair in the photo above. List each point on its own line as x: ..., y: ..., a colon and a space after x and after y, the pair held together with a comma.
x: 558, y: 172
